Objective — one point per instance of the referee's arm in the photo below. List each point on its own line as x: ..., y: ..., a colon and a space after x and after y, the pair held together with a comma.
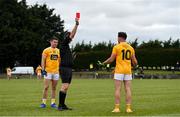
x: 73, y: 32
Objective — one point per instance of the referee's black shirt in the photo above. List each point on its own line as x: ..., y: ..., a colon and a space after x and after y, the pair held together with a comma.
x: 65, y: 52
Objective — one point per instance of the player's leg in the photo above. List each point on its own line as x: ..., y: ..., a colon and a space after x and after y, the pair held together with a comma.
x: 47, y: 80
x: 127, y: 84
x: 117, y: 82
x: 53, y: 91
x: 8, y: 76
x: 39, y: 76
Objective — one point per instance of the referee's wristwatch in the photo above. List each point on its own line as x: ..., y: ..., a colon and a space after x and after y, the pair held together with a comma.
x: 77, y: 23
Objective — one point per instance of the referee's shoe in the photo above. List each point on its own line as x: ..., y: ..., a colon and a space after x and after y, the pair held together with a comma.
x: 64, y: 107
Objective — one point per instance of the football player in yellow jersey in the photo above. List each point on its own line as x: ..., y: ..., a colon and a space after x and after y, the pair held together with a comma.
x: 38, y: 72
x: 8, y: 70
x: 50, y: 70
x: 124, y: 55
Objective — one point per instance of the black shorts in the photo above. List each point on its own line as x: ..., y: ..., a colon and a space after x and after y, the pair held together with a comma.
x: 66, y: 74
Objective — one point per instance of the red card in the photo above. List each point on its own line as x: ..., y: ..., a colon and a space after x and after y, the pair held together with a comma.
x: 78, y: 15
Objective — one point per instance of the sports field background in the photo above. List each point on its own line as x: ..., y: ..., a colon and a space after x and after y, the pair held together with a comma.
x: 91, y: 97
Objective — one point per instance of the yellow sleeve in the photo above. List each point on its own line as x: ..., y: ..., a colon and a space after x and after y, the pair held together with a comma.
x: 114, y: 50
x: 45, y: 52
x: 58, y: 53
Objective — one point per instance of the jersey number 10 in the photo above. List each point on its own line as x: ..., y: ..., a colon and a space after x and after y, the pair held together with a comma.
x: 126, y: 54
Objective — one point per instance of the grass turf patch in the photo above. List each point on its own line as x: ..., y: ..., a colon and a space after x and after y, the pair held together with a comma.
x: 90, y: 97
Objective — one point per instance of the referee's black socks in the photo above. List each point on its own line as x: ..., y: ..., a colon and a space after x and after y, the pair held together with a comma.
x: 62, y: 97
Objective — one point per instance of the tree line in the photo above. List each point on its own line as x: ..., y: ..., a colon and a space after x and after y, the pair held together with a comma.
x: 101, y: 46
x: 150, y: 53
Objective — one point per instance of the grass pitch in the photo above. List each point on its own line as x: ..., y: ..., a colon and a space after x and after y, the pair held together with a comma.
x: 91, y: 97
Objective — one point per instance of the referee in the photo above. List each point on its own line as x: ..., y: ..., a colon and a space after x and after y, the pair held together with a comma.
x: 66, y: 66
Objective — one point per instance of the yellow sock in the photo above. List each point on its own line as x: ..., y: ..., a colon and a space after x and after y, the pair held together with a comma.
x: 116, y: 106
x: 128, y: 106
x: 53, y: 101
x: 44, y: 101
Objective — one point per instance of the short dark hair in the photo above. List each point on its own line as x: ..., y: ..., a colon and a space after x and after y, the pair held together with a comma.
x: 53, y: 38
x: 122, y: 34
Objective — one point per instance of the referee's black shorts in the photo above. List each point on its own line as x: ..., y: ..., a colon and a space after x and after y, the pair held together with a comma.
x: 66, y: 74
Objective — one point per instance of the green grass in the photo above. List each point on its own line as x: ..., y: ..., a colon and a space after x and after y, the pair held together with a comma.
x: 160, y: 72
x: 91, y: 97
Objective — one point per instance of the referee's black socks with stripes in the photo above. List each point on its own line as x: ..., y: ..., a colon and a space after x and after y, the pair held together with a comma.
x: 62, y: 97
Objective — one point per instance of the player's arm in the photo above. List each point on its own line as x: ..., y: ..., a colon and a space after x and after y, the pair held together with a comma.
x: 110, y: 59
x: 59, y: 58
x: 43, y: 59
x: 43, y: 65
x: 134, y: 60
x: 74, y: 30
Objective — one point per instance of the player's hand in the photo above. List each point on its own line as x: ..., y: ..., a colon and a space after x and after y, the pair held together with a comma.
x: 136, y: 67
x: 113, y: 71
x: 77, y: 21
x: 44, y: 73
x: 100, y: 63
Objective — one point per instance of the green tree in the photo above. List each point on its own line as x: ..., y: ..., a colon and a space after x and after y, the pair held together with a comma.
x: 168, y: 43
x: 100, y: 46
x: 176, y: 44
x: 25, y: 31
x: 151, y: 44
